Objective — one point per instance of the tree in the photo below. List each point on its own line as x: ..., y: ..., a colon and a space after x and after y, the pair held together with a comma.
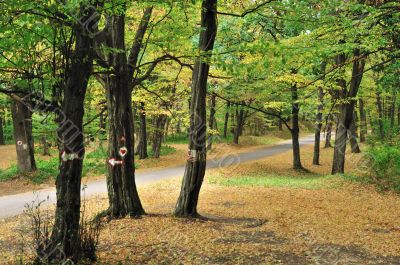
x: 22, y: 122
x: 196, y: 164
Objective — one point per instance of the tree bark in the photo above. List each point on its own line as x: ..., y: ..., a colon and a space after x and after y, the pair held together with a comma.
x: 196, y: 164
x: 45, y: 144
x: 65, y: 234
x: 211, y: 121
x: 380, y: 116
x: 363, y: 121
x: 22, y: 121
x: 295, y: 129
x: 355, y: 148
x: 346, y: 108
x: 122, y: 193
x: 328, y: 135
x: 239, y: 124
x: 2, y: 140
x: 158, y: 134
x: 393, y: 108
x: 142, y: 146
x: 228, y: 106
x: 318, y: 126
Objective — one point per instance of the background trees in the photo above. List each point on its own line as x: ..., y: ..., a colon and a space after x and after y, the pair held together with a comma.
x: 140, y: 72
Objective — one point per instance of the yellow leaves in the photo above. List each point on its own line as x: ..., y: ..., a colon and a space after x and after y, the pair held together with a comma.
x: 292, y: 79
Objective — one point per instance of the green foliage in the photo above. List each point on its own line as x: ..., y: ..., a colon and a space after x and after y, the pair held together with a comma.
x: 165, y: 150
x: 46, y: 169
x: 384, y: 162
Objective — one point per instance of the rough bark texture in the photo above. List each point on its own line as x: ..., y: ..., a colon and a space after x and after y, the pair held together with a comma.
x: 380, y: 116
x: 355, y: 148
x: 295, y: 129
x: 211, y: 121
x: 196, y: 164
x: 228, y: 106
x: 158, y: 134
x: 22, y: 122
x: 363, y: 121
x: 328, y: 133
x: 318, y: 126
x: 346, y: 108
x: 122, y: 193
x: 142, y: 146
x: 65, y: 234
x: 393, y: 108
x: 45, y: 145
x: 240, y: 119
x: 2, y: 140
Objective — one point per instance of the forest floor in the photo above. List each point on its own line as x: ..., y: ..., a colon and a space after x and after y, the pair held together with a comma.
x: 260, y: 212
x: 176, y: 154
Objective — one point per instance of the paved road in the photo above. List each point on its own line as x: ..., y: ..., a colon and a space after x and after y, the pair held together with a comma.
x: 12, y: 205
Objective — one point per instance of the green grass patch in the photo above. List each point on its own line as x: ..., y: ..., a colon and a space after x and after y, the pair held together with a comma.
x: 165, y: 150
x: 274, y: 181
x: 45, y: 170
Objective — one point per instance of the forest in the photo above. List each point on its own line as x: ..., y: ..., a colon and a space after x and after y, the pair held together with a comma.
x: 199, y: 132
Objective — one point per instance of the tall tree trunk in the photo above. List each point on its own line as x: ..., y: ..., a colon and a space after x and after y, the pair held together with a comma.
x: 233, y: 119
x: 398, y: 116
x: 2, y: 141
x: 295, y: 129
x: 22, y: 121
x: 393, y: 108
x: 318, y: 126
x: 228, y: 106
x: 363, y: 121
x: 122, y: 193
x: 142, y: 146
x: 346, y: 109
x: 239, y: 124
x: 45, y: 144
x: 158, y: 134
x: 196, y: 164
x: 211, y: 121
x: 65, y: 233
x: 328, y: 135
x: 355, y: 148
x: 380, y: 116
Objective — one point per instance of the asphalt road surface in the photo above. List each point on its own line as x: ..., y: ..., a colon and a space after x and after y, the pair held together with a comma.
x: 12, y: 205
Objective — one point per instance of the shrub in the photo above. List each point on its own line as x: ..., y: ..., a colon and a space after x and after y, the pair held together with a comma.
x: 384, y: 165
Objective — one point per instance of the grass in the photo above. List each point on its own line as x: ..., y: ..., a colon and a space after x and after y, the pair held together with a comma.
x: 273, y: 181
x: 45, y: 169
x: 94, y: 164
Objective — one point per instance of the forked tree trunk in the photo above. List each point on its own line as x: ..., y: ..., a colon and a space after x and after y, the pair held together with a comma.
x: 355, y: 148
x: 363, y: 121
x: 142, y: 146
x: 228, y: 106
x: 346, y: 109
x: 22, y: 121
x: 122, y: 193
x: 2, y: 141
x: 196, y: 164
x: 295, y: 129
x: 158, y: 134
x: 211, y: 121
x: 65, y: 241
x: 318, y: 126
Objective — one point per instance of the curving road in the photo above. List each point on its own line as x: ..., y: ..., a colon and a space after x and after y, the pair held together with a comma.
x: 12, y: 205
